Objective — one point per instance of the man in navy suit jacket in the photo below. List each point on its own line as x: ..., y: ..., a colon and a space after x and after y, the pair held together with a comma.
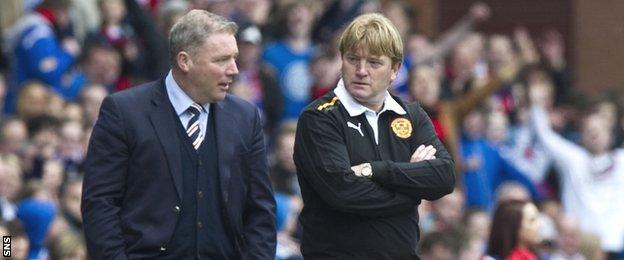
x: 176, y: 169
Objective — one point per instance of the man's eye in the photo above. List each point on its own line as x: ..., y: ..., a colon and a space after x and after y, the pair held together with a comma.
x: 375, y: 64
x: 222, y: 59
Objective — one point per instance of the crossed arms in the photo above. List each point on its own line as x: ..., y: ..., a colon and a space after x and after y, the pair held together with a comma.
x: 323, y: 161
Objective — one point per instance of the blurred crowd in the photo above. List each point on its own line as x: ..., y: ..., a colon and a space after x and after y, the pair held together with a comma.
x: 503, y: 104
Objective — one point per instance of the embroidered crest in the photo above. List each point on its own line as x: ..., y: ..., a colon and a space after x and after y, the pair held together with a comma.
x: 401, y: 127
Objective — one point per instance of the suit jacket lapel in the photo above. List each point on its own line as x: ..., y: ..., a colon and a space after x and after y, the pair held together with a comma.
x: 226, y: 140
x: 161, y: 117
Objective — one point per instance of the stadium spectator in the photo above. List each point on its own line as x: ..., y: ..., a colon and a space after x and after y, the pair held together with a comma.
x: 290, y: 55
x: 42, y: 52
x: 514, y: 232
x: 591, y: 173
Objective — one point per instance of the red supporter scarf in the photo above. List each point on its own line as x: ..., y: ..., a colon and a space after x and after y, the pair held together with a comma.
x: 48, y: 14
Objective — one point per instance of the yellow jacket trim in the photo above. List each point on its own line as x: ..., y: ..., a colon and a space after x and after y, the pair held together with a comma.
x: 328, y: 104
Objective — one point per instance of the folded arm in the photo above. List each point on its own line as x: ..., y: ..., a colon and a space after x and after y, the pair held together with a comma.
x: 425, y: 179
x: 323, y: 162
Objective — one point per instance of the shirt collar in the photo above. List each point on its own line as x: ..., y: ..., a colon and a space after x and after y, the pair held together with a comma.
x: 179, y: 99
x: 354, y: 108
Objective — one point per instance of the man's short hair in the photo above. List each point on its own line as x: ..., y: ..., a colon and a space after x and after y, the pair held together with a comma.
x: 375, y: 33
x: 193, y: 28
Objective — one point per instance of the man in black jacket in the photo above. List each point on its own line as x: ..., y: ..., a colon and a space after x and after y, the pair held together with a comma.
x: 364, y: 158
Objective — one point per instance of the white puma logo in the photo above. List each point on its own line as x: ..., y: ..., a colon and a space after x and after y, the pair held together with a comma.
x: 358, y: 127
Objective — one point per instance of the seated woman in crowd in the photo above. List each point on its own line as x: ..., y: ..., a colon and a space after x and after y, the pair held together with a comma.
x: 515, y: 231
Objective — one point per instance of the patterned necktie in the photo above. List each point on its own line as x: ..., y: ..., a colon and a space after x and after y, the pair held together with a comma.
x: 192, y: 128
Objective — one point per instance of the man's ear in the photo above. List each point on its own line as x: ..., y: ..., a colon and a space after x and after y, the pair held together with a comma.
x: 184, y: 61
x: 395, y: 71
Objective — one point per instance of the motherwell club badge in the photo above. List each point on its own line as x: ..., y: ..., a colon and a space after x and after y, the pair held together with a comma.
x: 401, y: 127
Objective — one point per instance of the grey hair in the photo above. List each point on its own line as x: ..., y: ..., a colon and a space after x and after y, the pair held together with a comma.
x: 193, y: 28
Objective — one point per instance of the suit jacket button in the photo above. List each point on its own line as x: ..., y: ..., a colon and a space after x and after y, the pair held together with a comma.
x: 163, y: 248
x: 176, y: 209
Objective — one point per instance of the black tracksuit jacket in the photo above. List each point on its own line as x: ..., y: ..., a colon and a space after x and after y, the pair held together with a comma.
x: 350, y: 217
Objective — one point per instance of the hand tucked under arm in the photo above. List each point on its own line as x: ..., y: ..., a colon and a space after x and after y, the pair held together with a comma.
x: 423, y: 153
x: 430, y: 172
x: 323, y: 165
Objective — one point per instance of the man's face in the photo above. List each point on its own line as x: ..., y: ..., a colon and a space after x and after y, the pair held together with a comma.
x: 63, y: 18
x: 367, y: 77
x: 35, y: 100
x: 449, y: 208
x: 300, y: 20
x: 113, y: 11
x: 497, y: 127
x: 474, y: 125
x: 20, y: 247
x: 103, y: 66
x: 286, y: 149
x: 52, y: 174
x: 16, y: 135
x: 92, y: 100
x: 426, y: 86
x: 213, y: 66
x: 11, y: 183
x: 596, y: 134
x: 569, y: 239
x: 249, y: 54
x: 501, y: 51
x: 71, y: 199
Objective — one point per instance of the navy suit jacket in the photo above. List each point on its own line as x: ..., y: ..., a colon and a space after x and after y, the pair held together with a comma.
x: 133, y: 184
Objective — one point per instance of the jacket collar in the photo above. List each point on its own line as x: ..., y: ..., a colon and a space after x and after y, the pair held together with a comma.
x: 354, y: 108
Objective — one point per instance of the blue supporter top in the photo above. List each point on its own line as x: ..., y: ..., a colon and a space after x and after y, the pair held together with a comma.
x: 293, y: 73
x: 481, y: 183
x: 282, y: 209
x: 36, y: 217
x: 400, y: 86
x: 37, y: 55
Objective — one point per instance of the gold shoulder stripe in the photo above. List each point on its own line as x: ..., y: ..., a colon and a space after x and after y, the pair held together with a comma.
x: 328, y: 104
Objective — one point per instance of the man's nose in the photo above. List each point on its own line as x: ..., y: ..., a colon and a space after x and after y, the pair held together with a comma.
x: 232, y: 69
x: 360, y: 69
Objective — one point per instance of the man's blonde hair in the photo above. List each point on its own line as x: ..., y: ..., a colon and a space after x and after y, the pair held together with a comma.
x: 375, y: 33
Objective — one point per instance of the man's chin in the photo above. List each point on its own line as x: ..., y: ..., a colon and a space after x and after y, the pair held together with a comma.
x: 215, y: 97
x: 358, y: 94
x: 360, y: 98
x: 219, y: 97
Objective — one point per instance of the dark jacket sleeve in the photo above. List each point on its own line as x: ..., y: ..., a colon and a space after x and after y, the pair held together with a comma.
x: 430, y: 179
x: 273, y: 98
x: 259, y: 217
x: 156, y: 50
x: 323, y: 162
x: 563, y: 86
x: 104, y: 185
